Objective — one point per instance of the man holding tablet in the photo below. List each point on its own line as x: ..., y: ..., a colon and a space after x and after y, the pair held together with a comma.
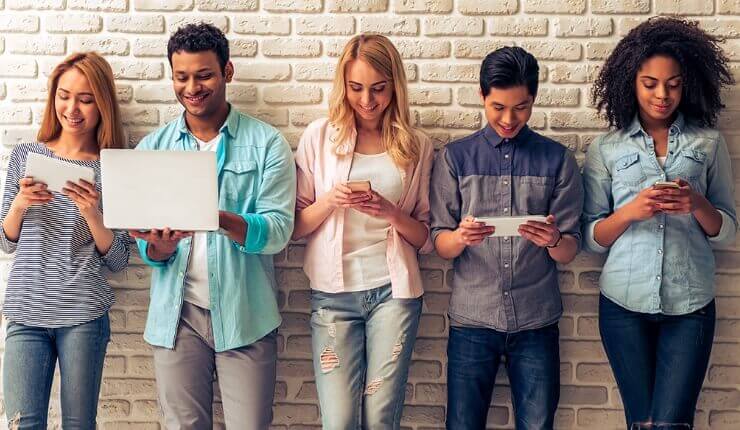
x: 213, y: 302
x: 505, y: 295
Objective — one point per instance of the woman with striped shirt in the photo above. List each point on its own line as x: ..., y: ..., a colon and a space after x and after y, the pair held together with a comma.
x: 57, y: 298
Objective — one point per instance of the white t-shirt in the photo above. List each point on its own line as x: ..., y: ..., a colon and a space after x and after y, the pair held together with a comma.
x: 196, y: 279
x: 365, y: 237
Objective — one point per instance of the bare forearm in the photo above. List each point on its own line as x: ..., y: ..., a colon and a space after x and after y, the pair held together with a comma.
x: 102, y: 236
x: 708, y: 217
x: 310, y: 218
x: 566, y: 250
x: 608, y: 230
x: 234, y: 226
x: 448, y: 245
x: 12, y: 224
x: 415, y: 232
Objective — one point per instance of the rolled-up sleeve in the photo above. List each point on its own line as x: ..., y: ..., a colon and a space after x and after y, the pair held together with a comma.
x: 270, y: 225
x: 721, y: 194
x: 566, y: 203
x: 444, y: 196
x: 116, y: 259
x: 11, y: 189
x: 598, y: 202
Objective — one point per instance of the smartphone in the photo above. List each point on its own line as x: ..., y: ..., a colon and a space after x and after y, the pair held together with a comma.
x: 661, y: 185
x: 362, y: 186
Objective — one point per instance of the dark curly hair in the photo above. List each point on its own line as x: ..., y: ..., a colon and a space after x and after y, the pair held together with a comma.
x: 703, y: 68
x: 198, y: 38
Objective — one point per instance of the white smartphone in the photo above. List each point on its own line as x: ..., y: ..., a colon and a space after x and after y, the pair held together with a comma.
x: 55, y: 173
x: 508, y: 225
x: 660, y: 185
x: 359, y: 186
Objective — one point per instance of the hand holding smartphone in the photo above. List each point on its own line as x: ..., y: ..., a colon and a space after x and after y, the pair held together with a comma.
x: 359, y: 186
x: 663, y: 185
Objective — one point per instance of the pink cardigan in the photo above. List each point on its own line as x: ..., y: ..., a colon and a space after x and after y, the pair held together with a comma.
x: 319, y: 168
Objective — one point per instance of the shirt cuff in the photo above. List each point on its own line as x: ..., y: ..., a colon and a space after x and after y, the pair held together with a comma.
x: 591, y: 243
x: 727, y: 231
x: 142, y: 245
x: 257, y: 231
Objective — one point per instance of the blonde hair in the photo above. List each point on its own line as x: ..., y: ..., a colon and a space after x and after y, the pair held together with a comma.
x: 100, y: 77
x: 397, y: 135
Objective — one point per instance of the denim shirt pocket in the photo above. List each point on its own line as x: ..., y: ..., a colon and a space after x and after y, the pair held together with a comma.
x: 628, y: 171
x: 237, y: 184
x: 537, y: 192
x: 690, y: 164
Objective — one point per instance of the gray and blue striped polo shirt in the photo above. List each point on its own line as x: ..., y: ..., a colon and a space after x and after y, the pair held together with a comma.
x: 506, y: 283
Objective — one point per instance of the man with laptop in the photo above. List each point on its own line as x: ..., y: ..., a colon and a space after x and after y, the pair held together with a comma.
x: 213, y: 294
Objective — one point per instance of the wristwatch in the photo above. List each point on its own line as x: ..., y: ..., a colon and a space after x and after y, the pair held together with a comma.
x: 560, y: 237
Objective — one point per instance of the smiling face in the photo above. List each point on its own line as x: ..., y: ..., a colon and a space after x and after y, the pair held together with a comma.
x: 368, y: 92
x: 74, y: 104
x: 199, y: 83
x: 658, y: 89
x: 508, y: 109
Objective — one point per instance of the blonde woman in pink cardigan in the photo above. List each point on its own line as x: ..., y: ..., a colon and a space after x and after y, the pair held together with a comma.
x: 362, y: 243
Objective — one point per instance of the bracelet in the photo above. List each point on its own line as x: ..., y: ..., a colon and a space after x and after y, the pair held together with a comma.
x: 560, y: 237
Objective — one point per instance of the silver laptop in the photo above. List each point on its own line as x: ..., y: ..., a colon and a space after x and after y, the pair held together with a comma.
x: 143, y: 190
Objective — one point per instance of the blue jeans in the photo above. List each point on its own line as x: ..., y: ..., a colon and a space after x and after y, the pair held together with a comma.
x: 31, y: 354
x: 532, y: 364
x: 659, y: 362
x: 362, y: 344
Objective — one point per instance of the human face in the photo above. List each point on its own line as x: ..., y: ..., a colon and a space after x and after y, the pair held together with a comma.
x: 199, y: 84
x: 368, y: 92
x: 74, y: 104
x: 508, y: 109
x: 658, y: 89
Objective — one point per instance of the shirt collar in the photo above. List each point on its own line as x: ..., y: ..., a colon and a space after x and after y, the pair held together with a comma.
x: 230, y: 126
x: 677, y: 127
x: 494, y: 139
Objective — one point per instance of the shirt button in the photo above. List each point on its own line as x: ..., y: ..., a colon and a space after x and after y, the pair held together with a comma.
x: 658, y: 277
x: 506, y: 209
x: 506, y: 182
x: 660, y: 226
x: 506, y: 155
x: 506, y: 293
x: 181, y: 274
x: 506, y: 238
x: 506, y: 265
x: 652, y: 152
x: 660, y: 251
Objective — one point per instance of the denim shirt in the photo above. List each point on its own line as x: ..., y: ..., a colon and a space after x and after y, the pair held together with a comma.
x: 505, y: 283
x: 256, y: 180
x: 663, y: 264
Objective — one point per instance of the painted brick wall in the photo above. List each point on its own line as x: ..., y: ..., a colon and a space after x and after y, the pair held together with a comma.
x: 285, y: 52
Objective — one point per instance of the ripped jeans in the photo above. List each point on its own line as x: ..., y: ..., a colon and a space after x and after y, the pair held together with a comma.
x: 659, y: 362
x: 362, y: 344
x: 31, y: 354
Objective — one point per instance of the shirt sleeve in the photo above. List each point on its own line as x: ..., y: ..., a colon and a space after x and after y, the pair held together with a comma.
x: 598, y: 202
x: 566, y: 203
x: 444, y: 196
x: 304, y: 159
x: 721, y: 193
x: 116, y: 259
x: 10, y: 190
x: 421, y: 210
x: 270, y: 225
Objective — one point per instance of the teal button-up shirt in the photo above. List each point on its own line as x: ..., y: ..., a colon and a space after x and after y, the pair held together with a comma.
x: 256, y: 180
x: 663, y: 264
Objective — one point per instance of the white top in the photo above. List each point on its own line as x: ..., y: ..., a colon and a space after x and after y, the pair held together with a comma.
x: 196, y: 280
x: 365, y: 237
x: 661, y: 161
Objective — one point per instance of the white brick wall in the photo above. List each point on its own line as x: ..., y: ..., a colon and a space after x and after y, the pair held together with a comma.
x: 285, y: 53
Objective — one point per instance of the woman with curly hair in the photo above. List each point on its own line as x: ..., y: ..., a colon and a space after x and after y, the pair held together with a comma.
x: 659, y: 196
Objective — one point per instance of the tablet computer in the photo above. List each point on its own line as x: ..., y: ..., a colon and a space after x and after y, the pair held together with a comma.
x: 144, y: 190
x: 55, y: 173
x: 508, y: 225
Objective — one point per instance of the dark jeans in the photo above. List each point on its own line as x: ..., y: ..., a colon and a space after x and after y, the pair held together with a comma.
x: 659, y: 362
x: 31, y: 354
x: 533, y: 366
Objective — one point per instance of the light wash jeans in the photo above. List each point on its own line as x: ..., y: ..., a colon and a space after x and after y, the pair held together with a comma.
x: 31, y: 354
x: 362, y: 344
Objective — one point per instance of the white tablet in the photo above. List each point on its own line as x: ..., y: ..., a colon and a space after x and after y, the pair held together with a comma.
x: 145, y: 190
x: 508, y: 225
x: 55, y: 173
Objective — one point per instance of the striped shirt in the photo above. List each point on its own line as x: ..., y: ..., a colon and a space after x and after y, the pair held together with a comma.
x: 56, y: 279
